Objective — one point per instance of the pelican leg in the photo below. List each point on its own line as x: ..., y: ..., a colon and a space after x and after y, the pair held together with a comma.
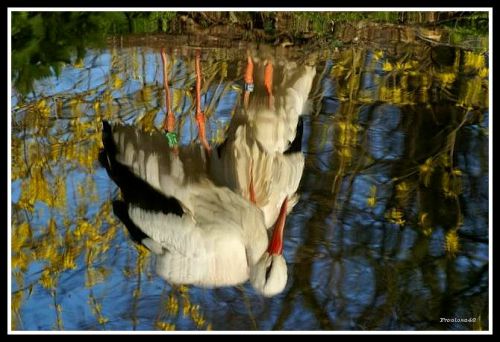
x: 248, y: 81
x: 169, y: 121
x: 268, y: 83
x: 200, y: 120
x: 200, y: 116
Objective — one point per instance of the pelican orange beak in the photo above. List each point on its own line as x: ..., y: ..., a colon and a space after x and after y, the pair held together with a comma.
x: 276, y: 244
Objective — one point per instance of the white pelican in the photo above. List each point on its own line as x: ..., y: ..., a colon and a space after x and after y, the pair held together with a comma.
x: 202, y: 234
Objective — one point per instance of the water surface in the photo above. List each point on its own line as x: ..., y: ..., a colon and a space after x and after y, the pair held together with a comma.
x: 390, y: 232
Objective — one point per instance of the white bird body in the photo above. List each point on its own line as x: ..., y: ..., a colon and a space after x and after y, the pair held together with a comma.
x: 208, y: 248
x: 254, y: 151
x: 219, y: 240
x: 275, y: 176
x: 275, y: 128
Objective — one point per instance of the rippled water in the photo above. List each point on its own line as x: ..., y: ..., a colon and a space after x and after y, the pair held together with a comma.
x: 390, y: 232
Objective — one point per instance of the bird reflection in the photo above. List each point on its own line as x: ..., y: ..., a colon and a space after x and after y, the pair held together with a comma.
x: 202, y: 234
x: 207, y: 217
x: 261, y: 158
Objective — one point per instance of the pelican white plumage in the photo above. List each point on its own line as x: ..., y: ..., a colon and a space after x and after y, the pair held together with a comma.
x: 261, y: 157
x: 203, y: 234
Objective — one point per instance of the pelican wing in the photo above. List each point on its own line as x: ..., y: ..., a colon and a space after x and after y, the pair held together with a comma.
x: 283, y: 183
x: 149, y: 157
x: 211, y: 247
x: 176, y: 234
x: 274, y: 175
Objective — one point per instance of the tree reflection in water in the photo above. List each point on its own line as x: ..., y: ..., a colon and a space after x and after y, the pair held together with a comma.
x: 390, y: 233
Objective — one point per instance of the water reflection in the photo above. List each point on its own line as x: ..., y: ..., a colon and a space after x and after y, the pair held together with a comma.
x: 202, y: 234
x: 213, y: 236
x: 390, y: 231
x: 43, y: 42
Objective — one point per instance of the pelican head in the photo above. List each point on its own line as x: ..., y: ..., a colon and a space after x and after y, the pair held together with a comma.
x: 269, y: 275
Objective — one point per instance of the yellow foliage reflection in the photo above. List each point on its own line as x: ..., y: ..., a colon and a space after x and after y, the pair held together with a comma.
x: 63, y: 224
